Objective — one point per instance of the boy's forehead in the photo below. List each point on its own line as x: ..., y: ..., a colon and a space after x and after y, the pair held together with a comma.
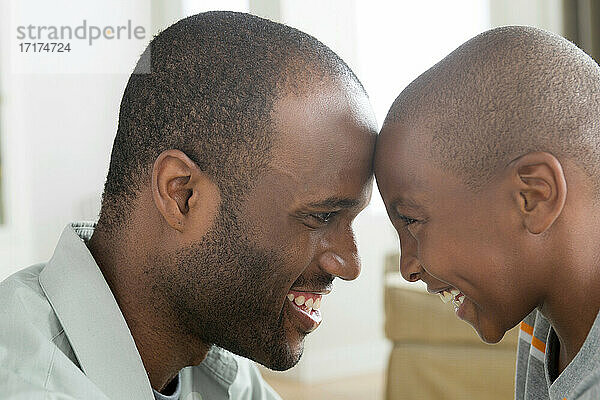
x: 402, y: 154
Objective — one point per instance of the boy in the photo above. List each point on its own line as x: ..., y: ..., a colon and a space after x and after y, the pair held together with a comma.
x: 488, y: 164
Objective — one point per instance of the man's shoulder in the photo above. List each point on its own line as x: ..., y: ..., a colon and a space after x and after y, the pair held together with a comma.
x: 25, y: 278
x: 26, y: 316
x: 24, y: 304
x: 36, y: 358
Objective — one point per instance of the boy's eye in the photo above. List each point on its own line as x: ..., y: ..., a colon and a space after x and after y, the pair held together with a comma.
x: 407, y: 220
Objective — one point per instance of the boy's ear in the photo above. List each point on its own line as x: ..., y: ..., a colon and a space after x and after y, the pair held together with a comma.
x: 540, y: 189
x: 184, y: 195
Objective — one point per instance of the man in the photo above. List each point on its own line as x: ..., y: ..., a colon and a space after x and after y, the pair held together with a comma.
x: 239, y: 164
x: 488, y: 164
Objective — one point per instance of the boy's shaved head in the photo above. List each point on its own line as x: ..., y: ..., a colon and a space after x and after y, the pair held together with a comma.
x: 505, y: 93
x: 488, y: 165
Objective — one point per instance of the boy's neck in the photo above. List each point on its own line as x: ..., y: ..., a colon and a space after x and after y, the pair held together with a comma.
x: 572, y: 312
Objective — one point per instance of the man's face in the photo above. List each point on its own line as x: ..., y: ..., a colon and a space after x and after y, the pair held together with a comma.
x: 254, y: 283
x: 452, y: 237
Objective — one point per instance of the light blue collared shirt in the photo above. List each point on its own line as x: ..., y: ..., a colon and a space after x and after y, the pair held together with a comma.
x: 62, y: 336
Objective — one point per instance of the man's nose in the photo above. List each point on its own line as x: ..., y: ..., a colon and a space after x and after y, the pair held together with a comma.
x: 340, y: 257
x: 410, y: 267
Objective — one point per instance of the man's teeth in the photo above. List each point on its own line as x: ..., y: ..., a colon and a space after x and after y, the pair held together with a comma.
x: 317, y: 304
x: 308, y: 302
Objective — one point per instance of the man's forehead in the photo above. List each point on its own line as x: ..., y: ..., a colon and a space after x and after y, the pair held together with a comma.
x: 324, y: 141
x: 319, y: 105
x: 323, y: 134
x: 324, y: 188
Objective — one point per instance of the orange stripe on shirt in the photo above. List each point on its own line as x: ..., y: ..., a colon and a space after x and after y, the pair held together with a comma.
x: 538, y: 344
x: 527, y: 328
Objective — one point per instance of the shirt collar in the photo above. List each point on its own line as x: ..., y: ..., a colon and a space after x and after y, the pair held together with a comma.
x: 91, y: 318
x: 583, y: 364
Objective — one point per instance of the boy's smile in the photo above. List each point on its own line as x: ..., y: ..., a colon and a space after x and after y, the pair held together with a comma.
x: 453, y: 238
x: 488, y: 164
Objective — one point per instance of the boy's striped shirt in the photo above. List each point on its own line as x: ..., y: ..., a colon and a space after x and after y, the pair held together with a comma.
x: 537, y: 361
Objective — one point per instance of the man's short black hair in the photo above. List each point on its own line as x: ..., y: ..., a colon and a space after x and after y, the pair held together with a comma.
x: 214, y: 78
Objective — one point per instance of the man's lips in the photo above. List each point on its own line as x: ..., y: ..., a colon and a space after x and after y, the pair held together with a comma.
x: 305, y: 307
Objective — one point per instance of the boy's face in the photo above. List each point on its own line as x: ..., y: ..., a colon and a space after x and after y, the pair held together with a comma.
x: 454, y: 238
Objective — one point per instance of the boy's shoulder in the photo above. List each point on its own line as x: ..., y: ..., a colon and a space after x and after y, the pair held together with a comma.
x: 588, y: 388
x: 538, y: 353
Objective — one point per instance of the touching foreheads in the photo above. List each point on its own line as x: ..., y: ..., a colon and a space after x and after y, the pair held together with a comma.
x: 502, y: 94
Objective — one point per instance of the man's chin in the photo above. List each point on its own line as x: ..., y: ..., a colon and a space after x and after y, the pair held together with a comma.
x: 282, y: 367
x: 282, y: 358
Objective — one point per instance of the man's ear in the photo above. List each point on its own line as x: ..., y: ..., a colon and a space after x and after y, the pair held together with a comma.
x: 184, y: 195
x: 540, y: 189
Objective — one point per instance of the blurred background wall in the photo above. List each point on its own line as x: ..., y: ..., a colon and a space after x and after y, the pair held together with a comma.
x: 57, y: 130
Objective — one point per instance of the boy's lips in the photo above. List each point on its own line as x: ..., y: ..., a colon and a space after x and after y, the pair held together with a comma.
x: 304, y: 307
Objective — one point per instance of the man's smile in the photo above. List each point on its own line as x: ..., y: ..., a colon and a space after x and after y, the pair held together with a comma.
x: 304, y: 307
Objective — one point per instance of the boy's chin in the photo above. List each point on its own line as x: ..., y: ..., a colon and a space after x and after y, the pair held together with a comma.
x: 489, y: 332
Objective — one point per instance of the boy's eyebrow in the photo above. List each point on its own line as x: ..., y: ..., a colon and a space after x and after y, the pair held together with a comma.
x: 335, y: 202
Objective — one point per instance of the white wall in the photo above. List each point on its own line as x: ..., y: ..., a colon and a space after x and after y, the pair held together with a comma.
x: 57, y: 132
x: 545, y: 14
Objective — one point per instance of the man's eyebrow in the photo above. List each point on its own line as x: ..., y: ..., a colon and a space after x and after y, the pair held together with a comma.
x: 335, y: 203
x: 404, y: 202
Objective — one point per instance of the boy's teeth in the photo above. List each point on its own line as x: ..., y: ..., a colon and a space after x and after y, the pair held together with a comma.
x: 299, y: 300
x: 445, y: 296
x: 290, y: 297
x: 309, y: 303
x: 455, y: 296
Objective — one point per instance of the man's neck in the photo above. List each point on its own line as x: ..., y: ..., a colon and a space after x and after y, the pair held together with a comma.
x: 164, y: 351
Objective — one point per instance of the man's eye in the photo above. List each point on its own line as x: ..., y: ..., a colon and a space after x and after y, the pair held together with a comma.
x: 407, y: 220
x: 322, y: 218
